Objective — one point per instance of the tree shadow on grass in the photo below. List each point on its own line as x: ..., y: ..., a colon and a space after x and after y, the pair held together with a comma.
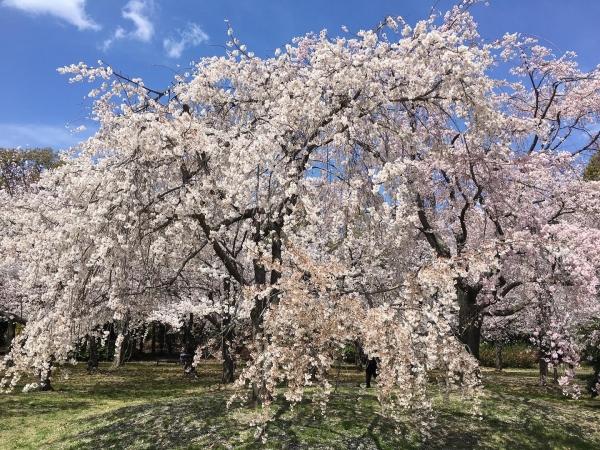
x: 205, y: 422
x: 353, y: 422
x: 511, y: 423
x: 178, y: 423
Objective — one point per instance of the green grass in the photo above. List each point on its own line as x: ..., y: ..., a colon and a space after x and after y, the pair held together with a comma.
x: 143, y: 406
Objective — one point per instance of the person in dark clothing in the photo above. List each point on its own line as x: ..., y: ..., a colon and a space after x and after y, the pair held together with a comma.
x: 371, y: 371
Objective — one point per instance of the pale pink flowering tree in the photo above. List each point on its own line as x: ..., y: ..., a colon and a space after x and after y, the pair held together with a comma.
x: 382, y: 188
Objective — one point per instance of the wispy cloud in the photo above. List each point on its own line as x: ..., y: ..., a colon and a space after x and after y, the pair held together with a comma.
x: 71, y: 11
x: 190, y: 36
x: 138, y: 12
x: 38, y: 135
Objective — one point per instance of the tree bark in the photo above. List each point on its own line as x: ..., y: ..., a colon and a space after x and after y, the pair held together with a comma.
x: 228, y: 360
x: 189, y: 347
x: 92, y: 364
x: 120, y: 348
x: 469, y: 318
x: 358, y: 356
x: 123, y: 342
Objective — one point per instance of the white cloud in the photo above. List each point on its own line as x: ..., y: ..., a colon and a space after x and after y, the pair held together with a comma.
x: 72, y: 11
x: 138, y: 12
x: 39, y: 135
x: 191, y: 36
x: 119, y: 33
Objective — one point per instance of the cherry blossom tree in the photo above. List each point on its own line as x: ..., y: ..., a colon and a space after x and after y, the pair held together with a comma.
x: 381, y: 188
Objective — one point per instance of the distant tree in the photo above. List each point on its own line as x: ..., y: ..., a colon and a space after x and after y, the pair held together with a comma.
x: 19, y: 169
x: 592, y: 171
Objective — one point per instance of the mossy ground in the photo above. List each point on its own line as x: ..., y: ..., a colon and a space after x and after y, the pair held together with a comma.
x: 145, y: 406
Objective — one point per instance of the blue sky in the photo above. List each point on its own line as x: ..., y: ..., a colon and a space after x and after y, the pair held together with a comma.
x: 155, y: 38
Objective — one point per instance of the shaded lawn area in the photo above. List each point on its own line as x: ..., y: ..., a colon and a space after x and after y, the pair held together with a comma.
x: 144, y: 406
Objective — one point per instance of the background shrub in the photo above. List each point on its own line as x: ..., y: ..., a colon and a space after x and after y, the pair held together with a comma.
x: 518, y: 355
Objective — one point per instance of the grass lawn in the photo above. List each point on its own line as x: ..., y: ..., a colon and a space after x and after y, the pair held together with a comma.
x: 145, y: 406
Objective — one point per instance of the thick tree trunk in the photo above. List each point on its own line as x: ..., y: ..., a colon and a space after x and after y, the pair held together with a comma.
x: 498, y: 354
x: 358, y: 356
x: 189, y: 347
x: 92, y: 364
x: 228, y: 360
x: 120, y: 349
x: 122, y: 343
x: 469, y: 318
x: 259, y: 390
x: 555, y: 375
